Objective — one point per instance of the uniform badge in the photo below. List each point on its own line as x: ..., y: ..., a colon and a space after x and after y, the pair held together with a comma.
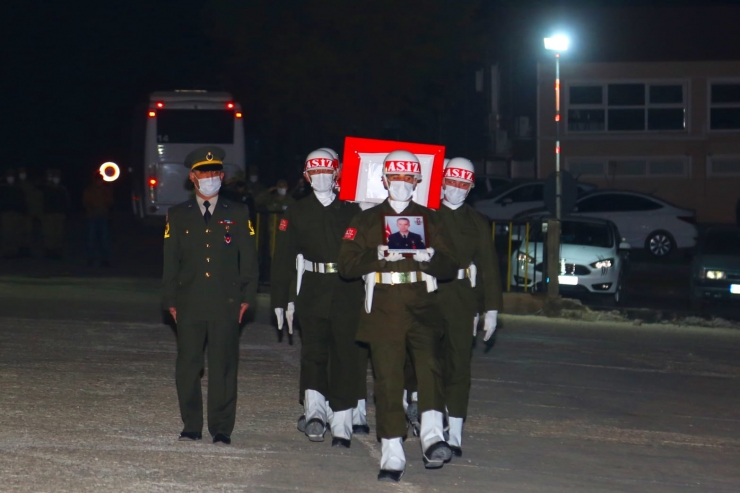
x: 283, y: 225
x: 350, y: 234
x: 227, y: 238
x: 251, y: 228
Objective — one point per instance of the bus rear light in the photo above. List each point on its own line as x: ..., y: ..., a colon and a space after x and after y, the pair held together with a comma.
x: 238, y: 114
x: 230, y: 105
x: 152, y: 182
x: 152, y: 114
x: 160, y: 104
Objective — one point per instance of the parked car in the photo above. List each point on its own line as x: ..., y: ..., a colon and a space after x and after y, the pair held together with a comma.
x: 644, y: 221
x: 487, y: 187
x: 520, y: 196
x: 715, y: 269
x: 593, y: 259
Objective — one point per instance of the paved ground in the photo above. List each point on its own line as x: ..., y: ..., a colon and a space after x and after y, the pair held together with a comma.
x: 88, y: 405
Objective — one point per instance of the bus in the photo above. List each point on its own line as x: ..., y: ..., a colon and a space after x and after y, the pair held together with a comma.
x: 173, y: 124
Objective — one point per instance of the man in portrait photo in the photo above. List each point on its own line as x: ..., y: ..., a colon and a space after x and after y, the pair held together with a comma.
x: 405, y: 239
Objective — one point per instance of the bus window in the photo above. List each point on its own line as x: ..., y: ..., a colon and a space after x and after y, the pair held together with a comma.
x: 195, y: 127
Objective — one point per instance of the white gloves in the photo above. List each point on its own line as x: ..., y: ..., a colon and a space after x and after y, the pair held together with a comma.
x: 475, y: 324
x: 424, y: 255
x: 392, y: 256
x: 489, y: 324
x: 280, y: 313
x: 289, y: 316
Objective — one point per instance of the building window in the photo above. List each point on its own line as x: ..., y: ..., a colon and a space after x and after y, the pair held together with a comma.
x: 724, y: 166
x: 626, y: 167
x: 626, y: 107
x: 724, y: 111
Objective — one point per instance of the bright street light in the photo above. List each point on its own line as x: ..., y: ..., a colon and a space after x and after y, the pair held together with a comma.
x: 557, y: 43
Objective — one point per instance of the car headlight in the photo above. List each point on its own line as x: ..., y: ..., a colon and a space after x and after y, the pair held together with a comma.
x: 715, y: 275
x: 523, y: 257
x: 603, y: 264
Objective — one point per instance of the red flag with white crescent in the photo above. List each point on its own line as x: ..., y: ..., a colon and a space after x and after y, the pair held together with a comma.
x: 387, y: 232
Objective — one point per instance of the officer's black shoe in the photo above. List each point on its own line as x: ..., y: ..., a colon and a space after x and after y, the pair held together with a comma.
x: 340, y: 442
x: 190, y: 436
x: 456, y: 451
x: 390, y: 476
x: 302, y: 424
x: 222, y: 438
x: 436, y: 455
x: 315, y: 430
x: 361, y: 429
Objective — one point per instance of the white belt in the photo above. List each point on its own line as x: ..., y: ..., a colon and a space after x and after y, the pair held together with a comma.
x: 463, y: 273
x: 322, y: 268
x: 471, y: 273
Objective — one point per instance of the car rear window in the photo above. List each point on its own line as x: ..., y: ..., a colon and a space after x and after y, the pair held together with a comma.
x: 722, y: 243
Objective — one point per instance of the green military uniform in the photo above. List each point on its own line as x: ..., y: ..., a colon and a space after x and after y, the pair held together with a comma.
x: 471, y: 237
x: 210, y: 269
x: 12, y: 219
x: 402, y: 316
x: 328, y: 305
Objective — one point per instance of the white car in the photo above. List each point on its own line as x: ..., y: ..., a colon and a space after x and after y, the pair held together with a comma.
x: 593, y: 259
x: 506, y: 203
x: 644, y: 221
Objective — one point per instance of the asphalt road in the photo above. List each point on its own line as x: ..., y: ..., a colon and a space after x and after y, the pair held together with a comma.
x: 88, y: 405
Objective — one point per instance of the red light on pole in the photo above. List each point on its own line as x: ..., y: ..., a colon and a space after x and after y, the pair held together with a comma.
x: 152, y: 114
x: 238, y: 114
x: 230, y: 105
x: 160, y: 104
x: 152, y: 182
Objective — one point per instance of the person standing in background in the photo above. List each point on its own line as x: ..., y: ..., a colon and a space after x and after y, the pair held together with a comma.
x: 56, y: 206
x: 12, y: 215
x: 98, y: 200
x: 34, y: 207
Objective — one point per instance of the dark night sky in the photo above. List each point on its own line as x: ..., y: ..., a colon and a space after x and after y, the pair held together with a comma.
x: 74, y: 71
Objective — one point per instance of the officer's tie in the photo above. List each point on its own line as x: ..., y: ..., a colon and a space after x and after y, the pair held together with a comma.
x: 207, y: 214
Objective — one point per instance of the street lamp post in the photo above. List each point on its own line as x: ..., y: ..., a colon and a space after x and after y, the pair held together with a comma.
x: 558, y: 44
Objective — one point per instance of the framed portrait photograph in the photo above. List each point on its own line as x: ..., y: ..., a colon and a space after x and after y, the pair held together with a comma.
x: 405, y: 234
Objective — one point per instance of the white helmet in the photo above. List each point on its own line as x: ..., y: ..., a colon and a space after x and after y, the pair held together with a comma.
x: 402, y: 163
x: 330, y: 151
x: 461, y: 169
x: 321, y: 159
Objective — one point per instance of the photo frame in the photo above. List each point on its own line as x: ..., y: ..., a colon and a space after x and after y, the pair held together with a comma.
x: 405, y: 233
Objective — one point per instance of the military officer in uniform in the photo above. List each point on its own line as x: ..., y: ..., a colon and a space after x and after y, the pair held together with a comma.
x: 405, y: 239
x: 401, y: 312
x: 477, y: 268
x: 327, y: 305
x: 209, y: 281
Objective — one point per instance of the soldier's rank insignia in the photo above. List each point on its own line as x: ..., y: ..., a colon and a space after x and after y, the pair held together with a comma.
x: 227, y: 238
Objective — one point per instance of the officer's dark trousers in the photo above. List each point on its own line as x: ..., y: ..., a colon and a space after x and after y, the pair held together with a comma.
x: 411, y: 329
x: 329, y: 359
x: 458, y: 307
x: 222, y: 341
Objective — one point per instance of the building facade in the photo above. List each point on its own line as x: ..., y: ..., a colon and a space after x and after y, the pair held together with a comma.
x: 671, y: 129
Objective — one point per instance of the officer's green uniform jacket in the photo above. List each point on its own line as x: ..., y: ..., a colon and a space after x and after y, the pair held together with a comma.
x: 471, y: 237
x: 315, y: 231
x: 209, y: 269
x: 359, y: 256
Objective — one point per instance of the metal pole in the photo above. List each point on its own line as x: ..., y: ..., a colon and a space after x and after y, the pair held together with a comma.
x: 558, y: 181
x: 553, y: 231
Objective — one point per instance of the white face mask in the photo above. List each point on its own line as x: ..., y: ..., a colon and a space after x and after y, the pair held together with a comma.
x: 322, y: 183
x: 10, y: 179
x: 282, y: 191
x: 209, y: 186
x: 55, y: 180
x: 253, y: 178
x: 401, y: 191
x: 455, y: 195
x: 22, y: 176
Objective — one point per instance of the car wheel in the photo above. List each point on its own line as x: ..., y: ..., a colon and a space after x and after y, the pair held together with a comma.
x: 660, y: 244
